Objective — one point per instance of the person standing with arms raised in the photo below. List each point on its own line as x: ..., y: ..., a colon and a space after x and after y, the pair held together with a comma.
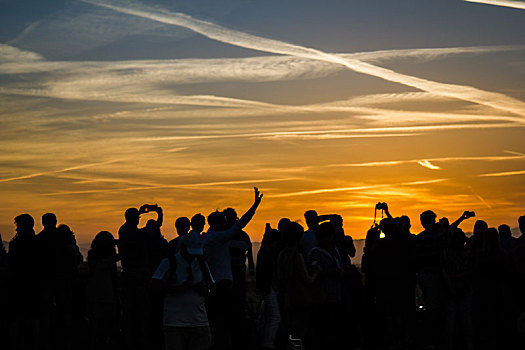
x: 225, y: 322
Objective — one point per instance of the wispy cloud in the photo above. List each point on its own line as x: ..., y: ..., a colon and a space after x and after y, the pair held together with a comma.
x: 77, y: 167
x: 504, y: 3
x: 356, y: 188
x: 24, y: 33
x: 11, y: 54
x: 505, y: 173
x: 426, y: 164
x: 179, y: 186
x: 440, y: 159
x: 358, y: 132
x: 229, y: 36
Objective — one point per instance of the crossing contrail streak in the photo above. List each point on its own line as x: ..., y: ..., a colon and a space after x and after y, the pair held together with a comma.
x: 241, y: 39
x: 78, y: 167
x: 504, y: 3
x: 356, y: 188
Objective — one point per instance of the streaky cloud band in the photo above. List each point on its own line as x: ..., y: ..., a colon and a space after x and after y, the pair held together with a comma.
x: 503, y: 3
x: 241, y: 39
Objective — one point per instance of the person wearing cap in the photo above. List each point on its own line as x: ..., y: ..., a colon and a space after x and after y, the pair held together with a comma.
x: 185, y: 278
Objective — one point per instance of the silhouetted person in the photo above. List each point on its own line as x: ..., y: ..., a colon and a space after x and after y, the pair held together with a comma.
x: 224, y: 319
x: 326, y: 328
x: 297, y: 294
x: 488, y: 290
x: 185, y: 279
x: 101, y: 291
x: 23, y: 305
x: 197, y: 223
x: 133, y: 247
x: 519, y: 258
x: 430, y: 244
x: 182, y: 226
x: 67, y: 260
x: 3, y: 253
x: 370, y: 266
x: 58, y: 262
x: 457, y: 292
x: 158, y: 250
x: 3, y: 293
x: 266, y: 283
x: 507, y: 242
x: 352, y: 286
x: 240, y: 250
x: 309, y: 239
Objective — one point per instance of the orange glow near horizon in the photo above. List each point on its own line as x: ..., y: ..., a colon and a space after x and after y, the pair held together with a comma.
x: 124, y: 117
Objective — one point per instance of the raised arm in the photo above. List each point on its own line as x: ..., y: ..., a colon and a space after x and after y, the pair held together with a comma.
x: 160, y: 215
x: 245, y: 219
x: 464, y: 216
x: 387, y: 212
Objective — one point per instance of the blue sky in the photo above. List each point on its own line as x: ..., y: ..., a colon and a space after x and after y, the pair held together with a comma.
x: 330, y: 105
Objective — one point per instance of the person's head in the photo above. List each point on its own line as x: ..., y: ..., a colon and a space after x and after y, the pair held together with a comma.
x: 24, y: 224
x: 521, y: 223
x: 282, y: 223
x: 271, y: 236
x: 292, y: 233
x: 325, y: 235
x: 152, y: 226
x: 182, y: 225
x: 197, y: 222
x: 480, y: 227
x: 103, y: 243
x: 132, y: 216
x: 337, y: 221
x: 217, y: 221
x: 231, y: 216
x: 504, y: 230
x: 388, y: 227
x: 49, y: 221
x: 65, y: 233
x: 405, y: 224
x: 311, y: 219
x: 428, y: 219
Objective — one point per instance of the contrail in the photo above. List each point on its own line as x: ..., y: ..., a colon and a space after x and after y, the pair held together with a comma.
x: 504, y: 3
x: 24, y: 33
x: 29, y: 176
x: 506, y: 173
x: 241, y: 39
x: 365, y: 131
x: 180, y: 186
x: 356, y: 188
x: 441, y: 159
x: 481, y: 199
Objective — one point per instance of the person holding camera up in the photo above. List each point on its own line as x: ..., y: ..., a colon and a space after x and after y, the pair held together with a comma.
x: 430, y: 245
x: 133, y: 249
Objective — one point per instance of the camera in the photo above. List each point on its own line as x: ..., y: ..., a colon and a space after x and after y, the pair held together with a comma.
x: 381, y: 206
x: 469, y: 214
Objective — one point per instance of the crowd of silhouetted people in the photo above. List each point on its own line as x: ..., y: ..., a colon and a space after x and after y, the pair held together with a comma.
x: 438, y: 289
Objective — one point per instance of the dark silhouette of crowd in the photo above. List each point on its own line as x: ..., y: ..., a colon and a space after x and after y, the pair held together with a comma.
x: 439, y: 289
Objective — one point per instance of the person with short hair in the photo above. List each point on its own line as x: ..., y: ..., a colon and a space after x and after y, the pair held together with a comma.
x: 133, y: 248
x: 224, y: 316
x: 185, y: 278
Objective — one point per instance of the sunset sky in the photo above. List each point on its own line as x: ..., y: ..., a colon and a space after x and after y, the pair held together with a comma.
x: 330, y: 105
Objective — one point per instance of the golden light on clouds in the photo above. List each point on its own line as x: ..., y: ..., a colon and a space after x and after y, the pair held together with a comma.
x: 333, y: 130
